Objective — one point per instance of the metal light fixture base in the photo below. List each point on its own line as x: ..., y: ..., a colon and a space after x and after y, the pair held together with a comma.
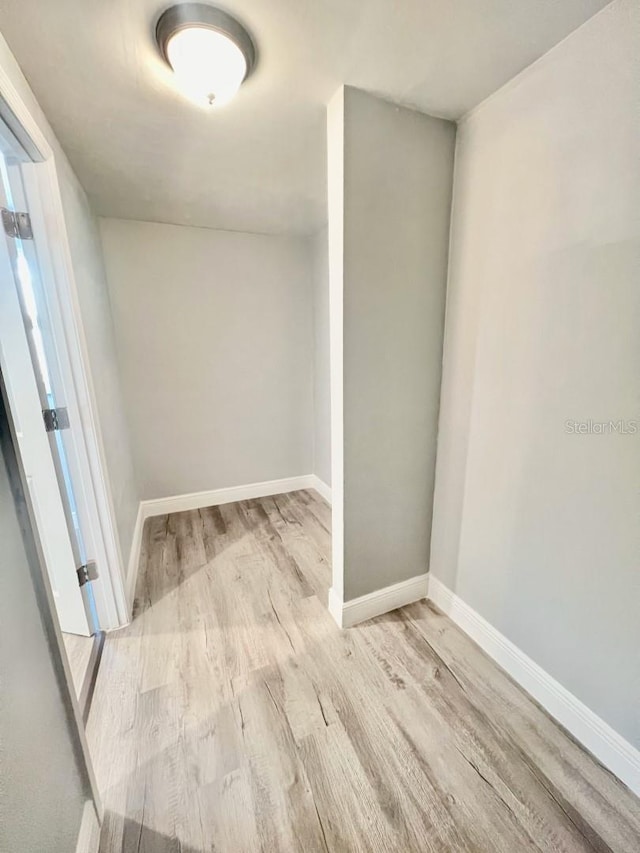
x: 185, y: 15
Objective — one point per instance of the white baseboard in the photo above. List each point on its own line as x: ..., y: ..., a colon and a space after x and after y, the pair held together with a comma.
x: 89, y: 834
x: 134, y: 558
x: 356, y: 610
x: 617, y: 754
x: 216, y: 497
x: 334, y: 605
x: 321, y: 488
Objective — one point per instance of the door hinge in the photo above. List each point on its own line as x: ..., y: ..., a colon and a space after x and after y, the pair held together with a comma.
x: 87, y: 573
x: 55, y: 419
x: 17, y: 225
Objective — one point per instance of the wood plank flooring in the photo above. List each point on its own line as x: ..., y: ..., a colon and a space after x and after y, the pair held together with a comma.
x: 232, y: 715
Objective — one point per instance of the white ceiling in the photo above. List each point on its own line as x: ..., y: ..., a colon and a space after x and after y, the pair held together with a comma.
x: 143, y: 152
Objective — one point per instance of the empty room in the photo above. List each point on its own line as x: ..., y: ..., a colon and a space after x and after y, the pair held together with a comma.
x: 320, y: 426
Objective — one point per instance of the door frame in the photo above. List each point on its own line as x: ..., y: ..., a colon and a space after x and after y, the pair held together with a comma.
x: 54, y: 254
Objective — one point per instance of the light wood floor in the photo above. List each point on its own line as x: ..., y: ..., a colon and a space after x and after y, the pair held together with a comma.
x: 233, y: 715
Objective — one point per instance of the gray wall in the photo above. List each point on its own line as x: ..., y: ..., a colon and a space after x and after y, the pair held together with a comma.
x: 215, y: 346
x: 321, y: 367
x: 534, y: 527
x: 397, y: 193
x: 88, y: 267
x: 43, y: 788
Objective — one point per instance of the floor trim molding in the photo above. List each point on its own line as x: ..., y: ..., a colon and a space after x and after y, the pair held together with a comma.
x: 610, y: 748
x: 356, y: 610
x: 89, y: 833
x: 322, y: 488
x: 215, y: 497
x: 85, y: 697
x: 134, y: 558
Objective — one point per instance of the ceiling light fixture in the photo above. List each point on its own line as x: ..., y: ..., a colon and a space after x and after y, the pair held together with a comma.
x: 210, y: 52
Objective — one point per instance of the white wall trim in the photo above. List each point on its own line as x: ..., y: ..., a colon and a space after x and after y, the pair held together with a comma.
x: 133, y: 565
x: 335, y: 239
x: 215, y: 497
x: 356, y: 610
x: 617, y: 754
x: 89, y: 834
x: 321, y: 488
x: 335, y: 606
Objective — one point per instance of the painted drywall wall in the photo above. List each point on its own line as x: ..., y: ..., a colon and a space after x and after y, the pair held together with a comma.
x: 535, y: 520
x: 321, y: 365
x: 42, y: 787
x: 398, y: 167
x: 215, y: 346
x: 97, y: 324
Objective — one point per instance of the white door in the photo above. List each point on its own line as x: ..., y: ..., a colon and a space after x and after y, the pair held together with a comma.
x: 24, y: 368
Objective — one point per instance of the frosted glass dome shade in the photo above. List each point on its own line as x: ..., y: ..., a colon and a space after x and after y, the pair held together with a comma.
x: 209, y: 66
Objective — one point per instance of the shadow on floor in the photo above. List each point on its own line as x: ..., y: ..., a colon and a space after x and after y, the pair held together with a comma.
x: 141, y: 839
x: 177, y: 546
